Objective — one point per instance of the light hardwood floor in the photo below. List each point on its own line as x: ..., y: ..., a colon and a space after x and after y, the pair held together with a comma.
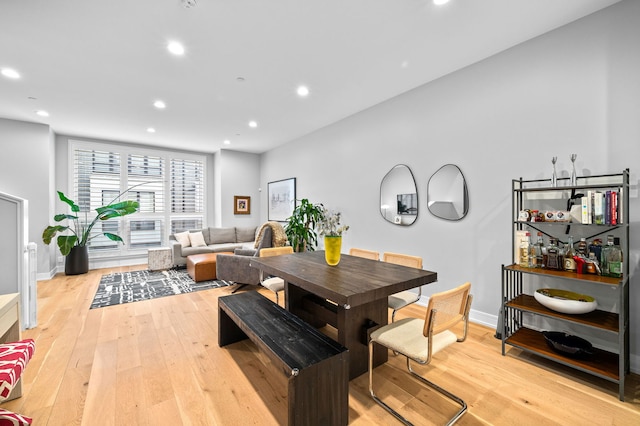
x: 158, y: 363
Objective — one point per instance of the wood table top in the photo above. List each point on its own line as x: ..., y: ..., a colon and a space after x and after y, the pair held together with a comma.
x: 354, y: 281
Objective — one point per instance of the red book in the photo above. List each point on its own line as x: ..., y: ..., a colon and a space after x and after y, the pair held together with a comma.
x: 614, y: 208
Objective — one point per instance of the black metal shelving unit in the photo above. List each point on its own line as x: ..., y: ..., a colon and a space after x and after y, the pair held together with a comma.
x: 612, y: 365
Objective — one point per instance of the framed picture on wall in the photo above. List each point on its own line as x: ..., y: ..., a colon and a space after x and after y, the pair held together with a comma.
x: 241, y: 204
x: 281, y: 199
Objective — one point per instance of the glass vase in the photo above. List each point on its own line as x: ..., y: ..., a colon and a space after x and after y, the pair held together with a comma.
x: 332, y: 247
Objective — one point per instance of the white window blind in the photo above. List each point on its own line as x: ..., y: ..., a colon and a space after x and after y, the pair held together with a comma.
x: 187, y: 194
x: 97, y: 181
x: 146, y: 176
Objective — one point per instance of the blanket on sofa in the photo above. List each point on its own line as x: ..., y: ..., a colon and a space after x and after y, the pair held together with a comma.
x: 278, y: 236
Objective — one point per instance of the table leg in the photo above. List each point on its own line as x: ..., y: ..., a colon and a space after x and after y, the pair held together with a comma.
x: 351, y: 324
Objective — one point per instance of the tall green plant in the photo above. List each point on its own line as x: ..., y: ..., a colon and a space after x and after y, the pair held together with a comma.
x: 81, y: 231
x: 300, y: 227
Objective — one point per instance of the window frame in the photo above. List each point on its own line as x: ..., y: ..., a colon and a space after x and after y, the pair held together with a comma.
x: 164, y: 218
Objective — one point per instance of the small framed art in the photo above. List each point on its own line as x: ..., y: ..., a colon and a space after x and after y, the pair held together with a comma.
x: 241, y: 204
x: 282, y: 199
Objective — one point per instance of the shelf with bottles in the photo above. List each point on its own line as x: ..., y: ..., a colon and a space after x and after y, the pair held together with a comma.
x: 613, y: 281
x: 560, y: 225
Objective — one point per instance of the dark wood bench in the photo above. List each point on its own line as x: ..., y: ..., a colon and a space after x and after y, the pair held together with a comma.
x: 316, y: 366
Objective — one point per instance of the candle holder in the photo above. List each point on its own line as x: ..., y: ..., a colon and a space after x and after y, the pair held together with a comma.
x: 574, y: 179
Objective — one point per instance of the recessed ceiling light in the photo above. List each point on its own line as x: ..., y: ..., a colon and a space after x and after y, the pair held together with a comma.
x: 227, y: 142
x: 42, y: 113
x: 151, y: 130
x: 253, y: 124
x: 240, y: 79
x: 159, y: 104
x: 176, y: 48
x: 10, y: 73
x: 303, y: 91
x: 440, y: 2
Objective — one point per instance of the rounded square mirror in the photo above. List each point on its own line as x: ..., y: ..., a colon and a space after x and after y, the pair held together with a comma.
x: 399, y: 196
x: 447, y: 196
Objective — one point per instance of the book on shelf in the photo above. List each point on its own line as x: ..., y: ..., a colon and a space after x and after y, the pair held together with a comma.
x: 602, y: 208
x: 586, y: 209
x: 598, y: 208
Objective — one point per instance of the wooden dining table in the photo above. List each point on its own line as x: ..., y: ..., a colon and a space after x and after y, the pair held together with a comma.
x: 351, y: 296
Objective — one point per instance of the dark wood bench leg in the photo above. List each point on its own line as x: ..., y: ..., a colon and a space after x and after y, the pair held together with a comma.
x: 323, y: 391
x: 228, y: 330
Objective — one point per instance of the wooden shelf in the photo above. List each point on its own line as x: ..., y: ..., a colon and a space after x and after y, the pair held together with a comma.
x: 598, y: 279
x: 602, y: 363
x: 603, y: 320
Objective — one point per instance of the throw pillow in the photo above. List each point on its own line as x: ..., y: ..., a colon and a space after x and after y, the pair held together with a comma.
x: 222, y: 235
x: 183, y: 238
x: 197, y: 239
x: 9, y: 418
x: 245, y: 235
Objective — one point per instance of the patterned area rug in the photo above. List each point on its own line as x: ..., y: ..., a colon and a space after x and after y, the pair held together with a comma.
x: 126, y: 287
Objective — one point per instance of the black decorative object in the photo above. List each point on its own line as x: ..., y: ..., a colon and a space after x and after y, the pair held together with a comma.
x: 568, y: 344
x: 77, y: 261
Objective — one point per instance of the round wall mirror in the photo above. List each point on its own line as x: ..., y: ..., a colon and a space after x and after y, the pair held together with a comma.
x: 399, y: 196
x: 447, y: 196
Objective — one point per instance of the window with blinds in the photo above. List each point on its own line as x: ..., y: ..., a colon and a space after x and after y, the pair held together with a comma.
x: 187, y: 194
x: 104, y: 176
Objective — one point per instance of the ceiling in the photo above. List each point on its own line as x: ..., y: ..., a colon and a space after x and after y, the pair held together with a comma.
x: 97, y: 66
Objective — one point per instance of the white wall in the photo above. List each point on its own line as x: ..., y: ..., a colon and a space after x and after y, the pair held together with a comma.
x: 25, y: 169
x: 239, y: 173
x: 573, y: 90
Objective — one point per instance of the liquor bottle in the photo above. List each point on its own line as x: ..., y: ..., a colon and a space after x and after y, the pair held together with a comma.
x: 569, y: 263
x: 539, y: 251
x: 582, y: 248
x: 604, y: 256
x: 592, y: 266
x: 614, y: 259
x: 554, y: 260
x: 524, y: 251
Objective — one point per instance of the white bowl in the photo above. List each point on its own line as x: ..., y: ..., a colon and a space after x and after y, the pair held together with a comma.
x: 565, y: 301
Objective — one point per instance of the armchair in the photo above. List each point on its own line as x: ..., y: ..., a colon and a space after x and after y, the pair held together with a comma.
x: 235, y: 267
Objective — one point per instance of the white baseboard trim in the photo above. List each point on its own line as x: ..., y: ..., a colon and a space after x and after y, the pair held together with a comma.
x: 110, y: 262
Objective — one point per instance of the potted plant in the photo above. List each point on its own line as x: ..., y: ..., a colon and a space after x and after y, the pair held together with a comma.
x: 300, y: 226
x: 330, y: 228
x: 74, y: 246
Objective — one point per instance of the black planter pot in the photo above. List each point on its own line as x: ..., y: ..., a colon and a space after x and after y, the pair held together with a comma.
x: 77, y: 261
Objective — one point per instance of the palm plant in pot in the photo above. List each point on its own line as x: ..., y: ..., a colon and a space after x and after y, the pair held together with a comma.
x: 74, y: 245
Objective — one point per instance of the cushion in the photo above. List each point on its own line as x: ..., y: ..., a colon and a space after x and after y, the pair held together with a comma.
x: 245, y: 234
x: 197, y: 239
x: 183, y: 238
x: 405, y: 336
x: 222, y: 235
x: 8, y: 418
x: 14, y: 358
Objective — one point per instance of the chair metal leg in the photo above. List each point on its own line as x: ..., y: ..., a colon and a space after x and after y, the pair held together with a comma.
x: 373, y: 395
x: 422, y: 379
x: 443, y: 391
